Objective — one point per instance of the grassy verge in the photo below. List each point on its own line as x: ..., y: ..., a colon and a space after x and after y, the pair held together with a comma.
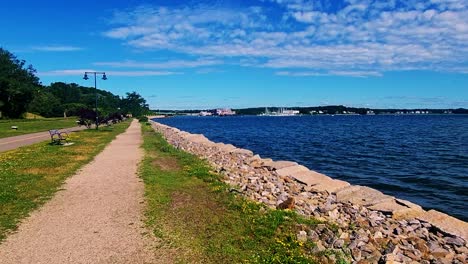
x: 30, y: 175
x: 194, y: 214
x: 26, y: 126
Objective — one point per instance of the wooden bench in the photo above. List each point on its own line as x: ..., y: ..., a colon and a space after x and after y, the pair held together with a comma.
x: 57, y: 137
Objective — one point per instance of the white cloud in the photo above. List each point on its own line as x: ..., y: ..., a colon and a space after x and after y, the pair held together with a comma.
x: 361, y: 74
x: 64, y: 72
x: 56, y: 48
x: 301, y: 73
x: 362, y: 36
x: 208, y: 70
x: 74, y: 72
x: 161, y: 65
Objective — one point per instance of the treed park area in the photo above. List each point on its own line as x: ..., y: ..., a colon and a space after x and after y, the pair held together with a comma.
x: 22, y: 96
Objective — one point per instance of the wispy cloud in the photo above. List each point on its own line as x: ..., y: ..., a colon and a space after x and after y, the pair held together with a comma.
x: 360, y: 38
x: 361, y: 74
x: 300, y: 73
x: 56, y: 48
x: 208, y: 70
x: 140, y: 73
x: 162, y: 65
x: 74, y: 72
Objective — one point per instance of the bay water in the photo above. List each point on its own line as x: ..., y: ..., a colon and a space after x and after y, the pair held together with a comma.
x: 420, y: 158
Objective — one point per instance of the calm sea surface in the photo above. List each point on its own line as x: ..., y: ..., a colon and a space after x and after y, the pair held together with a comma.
x: 423, y: 159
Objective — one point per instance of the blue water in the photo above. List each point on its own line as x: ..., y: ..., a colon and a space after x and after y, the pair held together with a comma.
x: 423, y: 159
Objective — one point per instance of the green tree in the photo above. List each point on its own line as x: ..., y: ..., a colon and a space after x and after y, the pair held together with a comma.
x: 66, y: 93
x: 134, y: 104
x: 72, y: 109
x: 17, y: 85
x: 46, y: 104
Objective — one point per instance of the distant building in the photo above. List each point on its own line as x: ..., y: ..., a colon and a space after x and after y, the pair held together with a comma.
x: 290, y: 112
x: 223, y: 112
x: 205, y: 113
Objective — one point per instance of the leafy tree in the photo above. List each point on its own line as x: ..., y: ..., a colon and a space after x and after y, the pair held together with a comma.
x: 74, y: 97
x: 66, y: 93
x: 112, y: 118
x: 134, y: 104
x: 72, y: 109
x: 46, y: 104
x: 87, y: 117
x: 20, y: 90
x: 17, y: 85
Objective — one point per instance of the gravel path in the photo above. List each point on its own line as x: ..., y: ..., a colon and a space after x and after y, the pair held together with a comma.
x: 95, y: 219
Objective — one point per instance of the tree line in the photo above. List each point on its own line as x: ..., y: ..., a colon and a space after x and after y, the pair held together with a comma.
x: 21, y: 91
x: 340, y: 109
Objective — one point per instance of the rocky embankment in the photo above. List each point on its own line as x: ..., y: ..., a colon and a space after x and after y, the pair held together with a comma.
x: 367, y: 225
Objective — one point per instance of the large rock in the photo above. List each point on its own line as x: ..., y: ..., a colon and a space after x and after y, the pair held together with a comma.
x: 277, y: 165
x: 242, y: 151
x: 446, y: 223
x: 196, y: 138
x: 184, y: 134
x: 308, y: 177
x: 399, y: 209
x: 330, y: 186
x: 318, y: 181
x: 361, y: 195
x: 208, y: 144
x: 225, y: 147
x: 292, y: 170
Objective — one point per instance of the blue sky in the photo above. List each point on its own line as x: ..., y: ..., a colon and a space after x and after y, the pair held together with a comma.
x: 206, y: 54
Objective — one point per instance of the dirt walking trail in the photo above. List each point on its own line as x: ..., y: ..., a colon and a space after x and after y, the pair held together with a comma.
x: 97, y: 218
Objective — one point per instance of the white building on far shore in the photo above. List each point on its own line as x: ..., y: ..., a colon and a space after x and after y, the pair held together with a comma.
x: 205, y: 113
x: 224, y: 112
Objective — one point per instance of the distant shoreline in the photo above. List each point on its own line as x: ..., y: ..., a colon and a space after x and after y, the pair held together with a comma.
x: 321, y: 110
x: 329, y: 115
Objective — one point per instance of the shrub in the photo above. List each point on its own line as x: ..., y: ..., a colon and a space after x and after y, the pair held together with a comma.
x: 143, y: 119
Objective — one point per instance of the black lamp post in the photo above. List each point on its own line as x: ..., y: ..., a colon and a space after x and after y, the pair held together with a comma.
x: 104, y: 77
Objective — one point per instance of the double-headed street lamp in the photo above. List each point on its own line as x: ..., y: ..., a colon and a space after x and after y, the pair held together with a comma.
x: 104, y: 77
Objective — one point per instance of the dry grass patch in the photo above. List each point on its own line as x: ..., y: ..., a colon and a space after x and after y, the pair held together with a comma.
x: 166, y: 163
x: 41, y: 170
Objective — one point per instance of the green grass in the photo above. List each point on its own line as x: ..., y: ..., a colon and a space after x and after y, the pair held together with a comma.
x: 193, y: 213
x: 30, y: 175
x: 26, y: 126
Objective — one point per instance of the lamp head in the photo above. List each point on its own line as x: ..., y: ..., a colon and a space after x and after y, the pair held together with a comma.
x: 104, y: 77
x: 85, y: 76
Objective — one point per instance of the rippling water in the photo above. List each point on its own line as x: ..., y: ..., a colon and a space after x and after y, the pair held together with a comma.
x: 423, y: 159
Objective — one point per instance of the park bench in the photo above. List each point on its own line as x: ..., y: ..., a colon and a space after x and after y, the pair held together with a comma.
x: 57, y: 137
